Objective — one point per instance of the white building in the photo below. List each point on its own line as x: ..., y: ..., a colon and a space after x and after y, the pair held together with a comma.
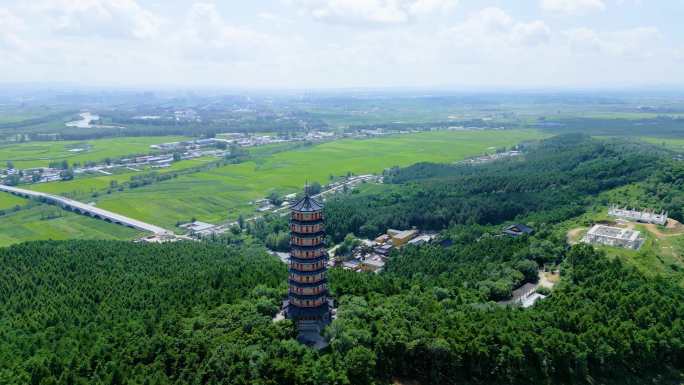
x: 614, y: 236
x: 645, y: 216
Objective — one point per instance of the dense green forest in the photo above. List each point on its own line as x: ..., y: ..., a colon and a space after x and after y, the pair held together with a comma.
x: 605, y: 321
x: 556, y: 180
x: 99, y: 312
x: 661, y: 126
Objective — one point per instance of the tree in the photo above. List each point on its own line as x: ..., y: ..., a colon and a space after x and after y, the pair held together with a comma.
x: 279, y: 241
x: 177, y: 156
x: 10, y: 165
x: 67, y: 174
x: 360, y: 365
x: 347, y: 246
x: 314, y: 188
x: 12, y: 180
x: 275, y: 198
x: 529, y: 270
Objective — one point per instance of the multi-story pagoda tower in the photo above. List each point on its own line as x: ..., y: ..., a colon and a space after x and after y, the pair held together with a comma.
x: 308, y: 303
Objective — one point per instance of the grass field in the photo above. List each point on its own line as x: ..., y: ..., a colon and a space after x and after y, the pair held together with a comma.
x: 677, y: 144
x: 50, y: 222
x: 657, y: 256
x: 8, y: 201
x: 223, y: 193
x: 82, y: 187
x: 39, y: 154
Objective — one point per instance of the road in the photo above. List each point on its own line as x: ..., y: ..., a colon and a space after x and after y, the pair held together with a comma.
x: 85, y: 209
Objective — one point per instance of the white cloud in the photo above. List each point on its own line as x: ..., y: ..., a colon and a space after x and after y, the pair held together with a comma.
x: 273, y: 18
x: 573, y: 6
x: 103, y: 18
x: 533, y: 33
x: 206, y: 36
x: 373, y: 12
x: 494, y: 27
x: 637, y: 42
x: 679, y: 54
x: 584, y: 39
x: 10, y: 27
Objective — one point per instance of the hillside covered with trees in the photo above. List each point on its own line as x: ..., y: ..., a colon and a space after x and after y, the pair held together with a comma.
x: 557, y: 179
x: 98, y: 312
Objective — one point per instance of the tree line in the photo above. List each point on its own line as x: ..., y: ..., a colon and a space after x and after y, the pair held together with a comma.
x: 557, y: 180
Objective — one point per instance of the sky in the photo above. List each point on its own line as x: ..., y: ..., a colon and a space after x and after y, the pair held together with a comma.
x: 311, y: 44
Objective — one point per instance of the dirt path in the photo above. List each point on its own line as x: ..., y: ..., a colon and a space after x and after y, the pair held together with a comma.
x: 573, y: 235
x: 548, y: 279
x: 673, y: 225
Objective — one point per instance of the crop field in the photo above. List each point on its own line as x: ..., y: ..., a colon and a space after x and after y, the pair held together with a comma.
x: 8, y: 201
x: 223, y: 193
x: 40, y: 154
x: 676, y: 144
x: 50, y: 222
x: 82, y: 187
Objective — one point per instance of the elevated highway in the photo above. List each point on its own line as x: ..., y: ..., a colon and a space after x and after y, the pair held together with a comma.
x: 85, y: 209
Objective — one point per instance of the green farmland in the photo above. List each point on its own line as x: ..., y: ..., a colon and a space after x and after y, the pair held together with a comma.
x: 8, y: 201
x: 81, y: 188
x: 676, y: 144
x: 40, y: 154
x: 50, y: 222
x: 224, y: 192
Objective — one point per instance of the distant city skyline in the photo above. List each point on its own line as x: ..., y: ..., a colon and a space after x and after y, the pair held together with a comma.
x: 317, y: 44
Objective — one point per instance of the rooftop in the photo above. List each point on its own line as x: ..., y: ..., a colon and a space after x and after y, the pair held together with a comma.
x: 517, y: 229
x: 197, y: 226
x: 614, y: 232
x: 406, y: 234
x: 307, y: 204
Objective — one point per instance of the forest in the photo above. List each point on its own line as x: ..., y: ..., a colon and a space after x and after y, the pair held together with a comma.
x: 663, y: 126
x: 107, y: 312
x: 557, y: 179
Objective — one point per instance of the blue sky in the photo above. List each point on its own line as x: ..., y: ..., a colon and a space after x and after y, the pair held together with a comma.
x: 344, y: 43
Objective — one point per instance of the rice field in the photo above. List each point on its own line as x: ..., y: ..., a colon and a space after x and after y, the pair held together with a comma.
x: 225, y: 192
x: 40, y: 154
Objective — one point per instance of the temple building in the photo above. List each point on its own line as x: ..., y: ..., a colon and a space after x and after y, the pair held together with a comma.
x: 614, y: 236
x: 646, y: 216
x: 308, y: 304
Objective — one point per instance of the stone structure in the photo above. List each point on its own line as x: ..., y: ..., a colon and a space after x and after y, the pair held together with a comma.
x: 646, y: 216
x: 613, y: 236
x: 308, y: 304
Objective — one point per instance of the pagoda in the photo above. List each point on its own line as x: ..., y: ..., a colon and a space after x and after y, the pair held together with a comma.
x: 308, y: 304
